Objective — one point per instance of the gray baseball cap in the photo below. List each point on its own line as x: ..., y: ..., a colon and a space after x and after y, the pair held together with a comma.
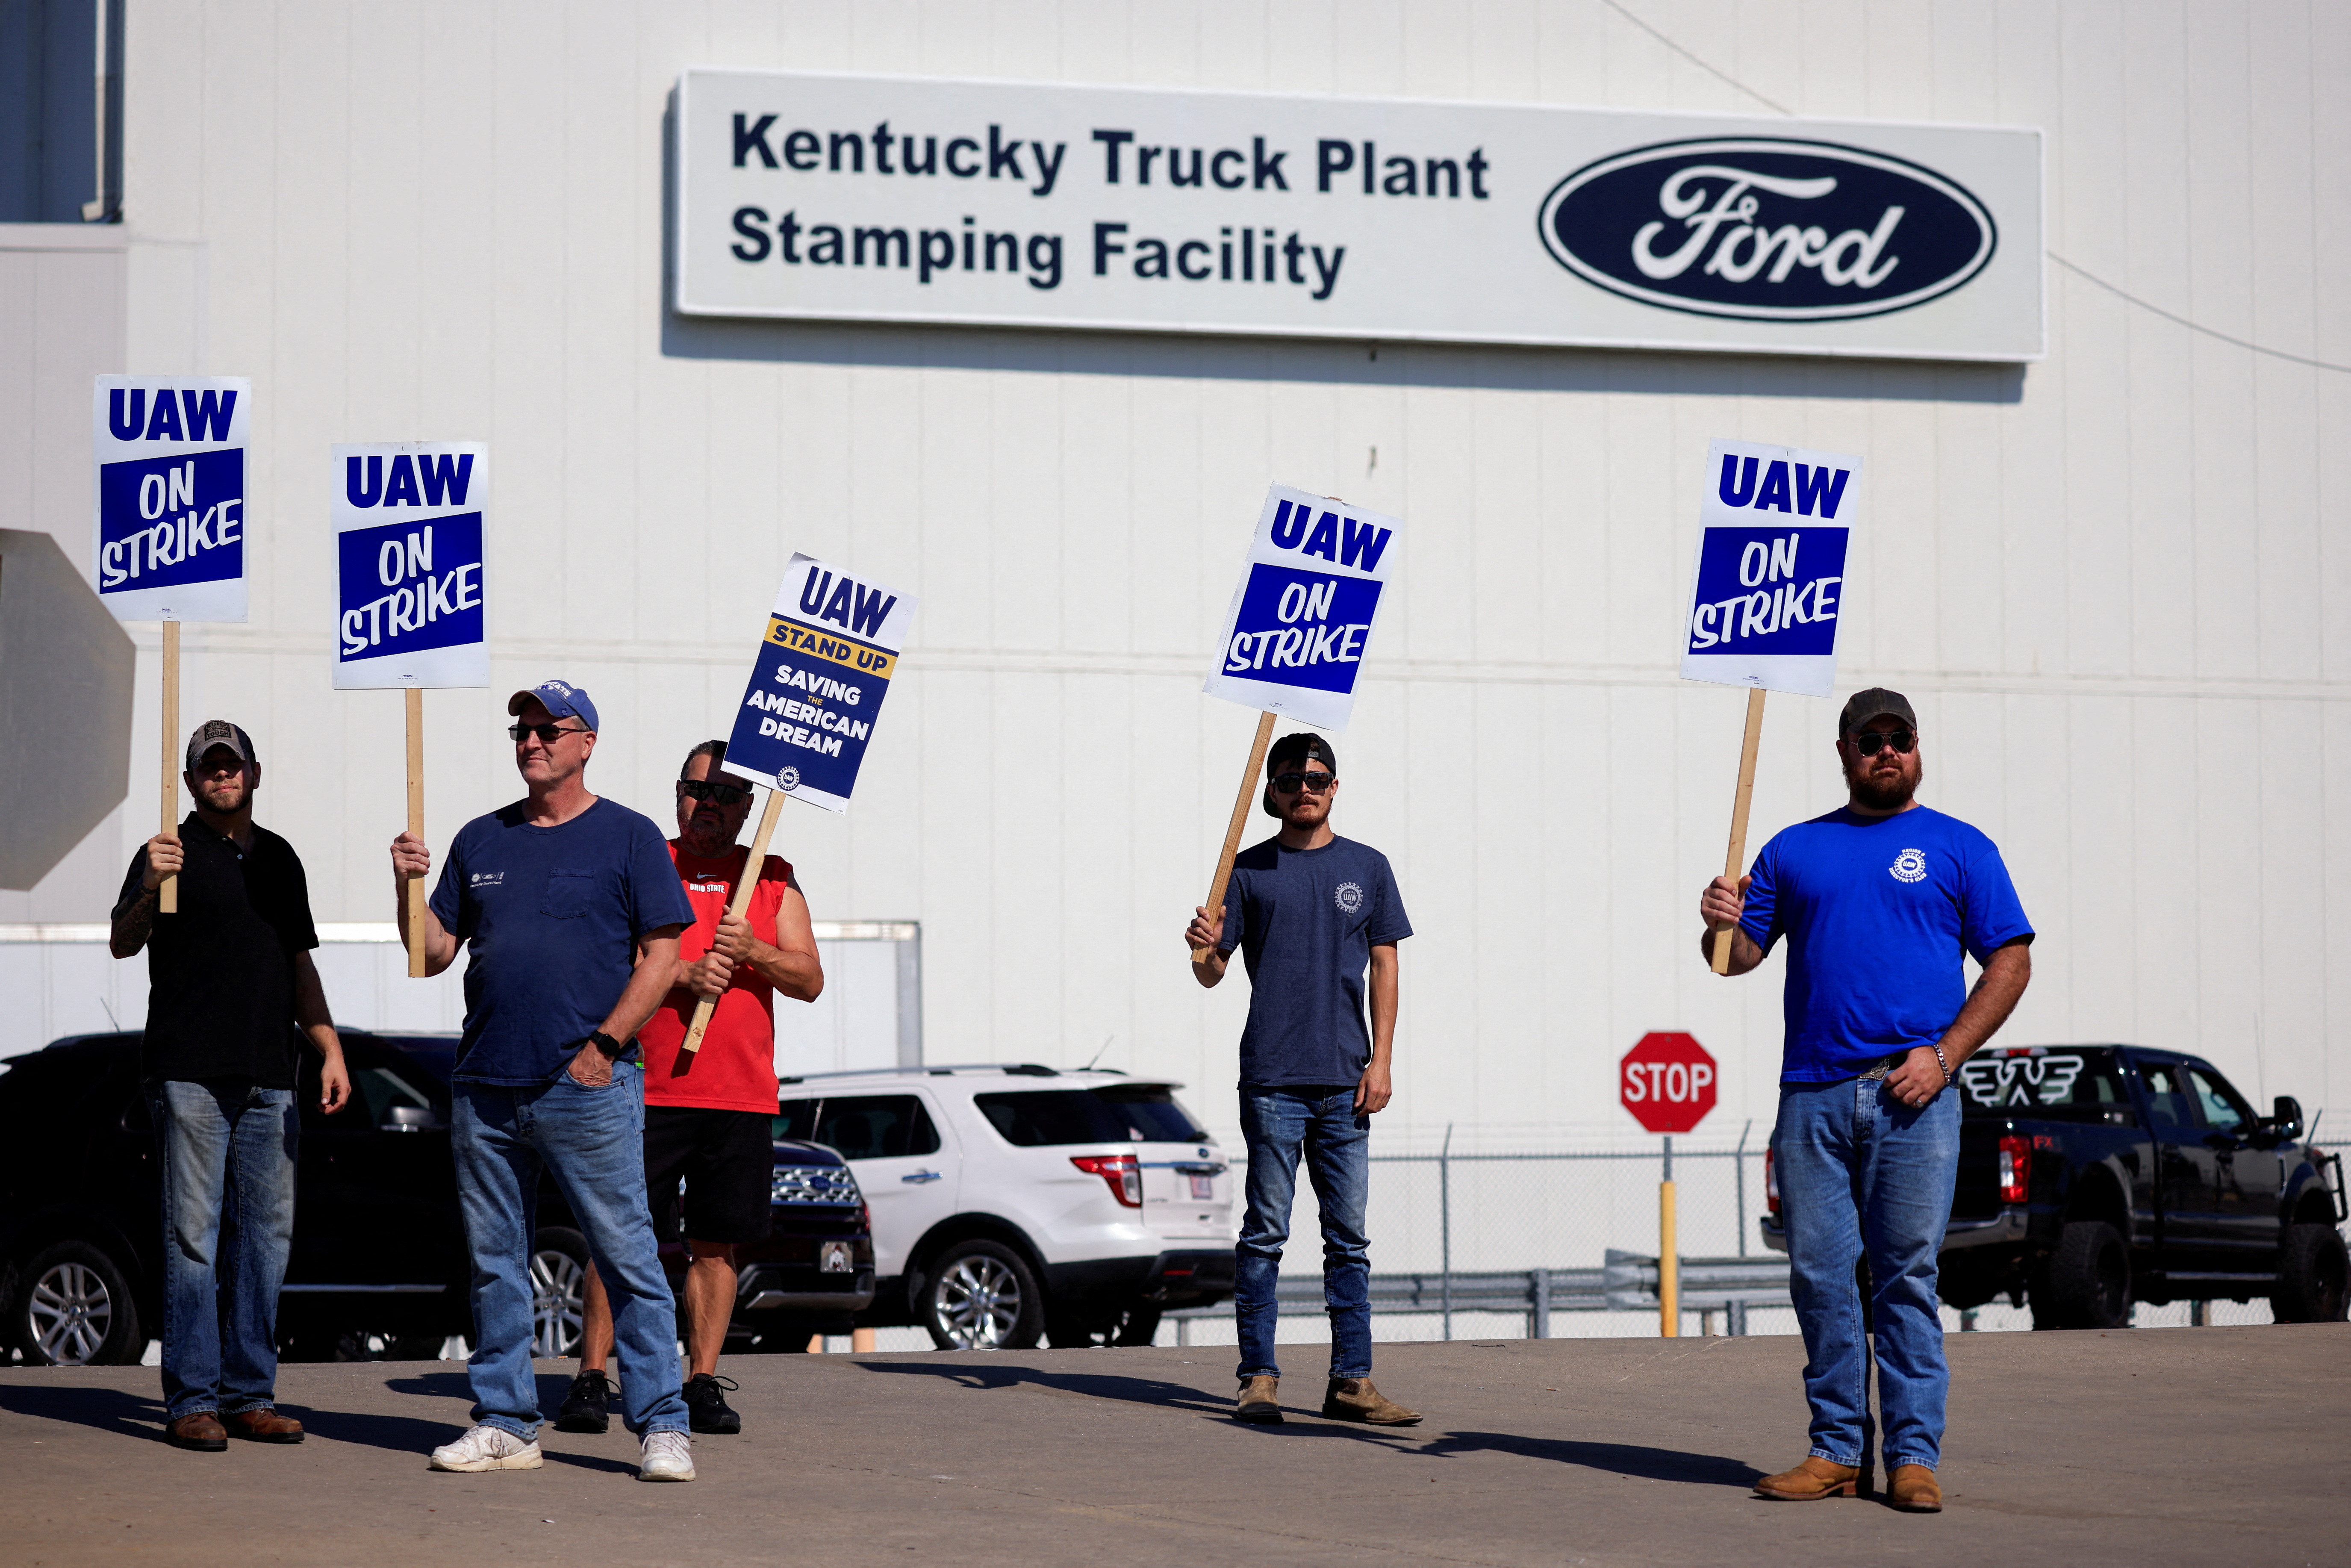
x: 1863, y: 706
x: 219, y: 732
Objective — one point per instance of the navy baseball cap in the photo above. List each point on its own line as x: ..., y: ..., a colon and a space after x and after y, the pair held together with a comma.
x: 561, y: 700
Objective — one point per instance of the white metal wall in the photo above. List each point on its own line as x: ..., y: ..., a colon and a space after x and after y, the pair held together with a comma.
x: 2106, y: 579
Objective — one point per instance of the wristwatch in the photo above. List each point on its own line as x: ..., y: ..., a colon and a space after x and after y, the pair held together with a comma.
x: 604, y: 1042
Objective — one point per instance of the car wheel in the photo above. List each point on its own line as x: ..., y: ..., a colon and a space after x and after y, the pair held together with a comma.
x: 2314, y: 1276
x: 558, y: 1291
x: 1134, y: 1323
x: 2088, y: 1285
x: 73, y: 1308
x: 982, y: 1295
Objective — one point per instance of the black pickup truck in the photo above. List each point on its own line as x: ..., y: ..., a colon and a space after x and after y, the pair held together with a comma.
x: 2092, y: 1176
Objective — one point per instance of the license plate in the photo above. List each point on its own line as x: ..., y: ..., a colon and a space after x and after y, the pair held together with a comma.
x: 1203, y: 1189
x: 834, y: 1257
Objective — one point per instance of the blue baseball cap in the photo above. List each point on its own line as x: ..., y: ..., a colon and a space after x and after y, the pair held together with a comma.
x: 561, y: 698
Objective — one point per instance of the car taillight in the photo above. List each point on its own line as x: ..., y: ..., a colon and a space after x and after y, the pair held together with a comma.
x: 1770, y: 1184
x: 1122, y: 1172
x: 865, y: 1217
x: 2015, y: 1169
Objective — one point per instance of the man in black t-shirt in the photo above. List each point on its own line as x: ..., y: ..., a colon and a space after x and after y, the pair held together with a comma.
x: 1309, y: 911
x: 231, y: 992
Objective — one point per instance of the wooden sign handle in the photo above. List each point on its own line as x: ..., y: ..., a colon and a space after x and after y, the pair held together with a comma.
x: 1733, y: 861
x: 1240, y: 820
x: 167, y: 894
x: 744, y: 887
x: 412, y: 888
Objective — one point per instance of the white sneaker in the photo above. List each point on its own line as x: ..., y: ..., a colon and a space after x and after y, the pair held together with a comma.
x: 487, y: 1448
x: 669, y: 1457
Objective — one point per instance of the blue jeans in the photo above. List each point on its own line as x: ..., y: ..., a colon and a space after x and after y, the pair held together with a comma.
x: 1337, y: 1142
x: 1862, y: 1174
x: 228, y: 1219
x: 592, y: 1141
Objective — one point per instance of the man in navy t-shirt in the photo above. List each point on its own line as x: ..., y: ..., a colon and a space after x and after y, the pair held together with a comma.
x: 1877, y: 902
x: 570, y: 911
x: 1309, y: 912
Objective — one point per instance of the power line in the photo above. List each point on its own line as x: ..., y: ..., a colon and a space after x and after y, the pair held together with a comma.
x: 2082, y: 272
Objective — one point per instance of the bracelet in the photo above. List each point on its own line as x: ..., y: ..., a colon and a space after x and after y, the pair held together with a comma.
x: 611, y: 1048
x: 1941, y: 1060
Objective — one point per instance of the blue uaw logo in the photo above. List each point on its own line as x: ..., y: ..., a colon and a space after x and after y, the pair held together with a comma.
x: 1348, y: 896
x: 1910, y: 865
x: 1766, y: 228
x: 787, y: 778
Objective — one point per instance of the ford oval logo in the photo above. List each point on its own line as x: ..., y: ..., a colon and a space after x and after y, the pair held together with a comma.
x: 1767, y: 229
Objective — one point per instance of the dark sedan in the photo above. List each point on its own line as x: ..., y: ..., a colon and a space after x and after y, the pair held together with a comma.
x: 378, y: 1266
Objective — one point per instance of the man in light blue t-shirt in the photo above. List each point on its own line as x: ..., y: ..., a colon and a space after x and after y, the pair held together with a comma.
x: 1312, y: 912
x: 570, y: 912
x: 1877, y: 902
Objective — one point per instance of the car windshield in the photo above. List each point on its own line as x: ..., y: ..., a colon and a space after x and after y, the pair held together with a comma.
x: 1113, y: 1114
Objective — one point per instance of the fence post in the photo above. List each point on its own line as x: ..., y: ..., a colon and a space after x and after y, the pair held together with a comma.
x: 1444, y: 1224
x: 1734, y: 1319
x: 1739, y: 1171
x: 1539, y: 1323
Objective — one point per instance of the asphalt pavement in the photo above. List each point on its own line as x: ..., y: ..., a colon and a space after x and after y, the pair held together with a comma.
x: 2140, y: 1447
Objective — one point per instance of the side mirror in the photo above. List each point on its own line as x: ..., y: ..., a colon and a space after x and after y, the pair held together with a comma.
x: 411, y: 1119
x: 2285, y: 1118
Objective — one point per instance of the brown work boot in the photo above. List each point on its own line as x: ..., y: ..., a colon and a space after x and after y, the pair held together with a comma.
x: 199, y: 1429
x: 1912, y: 1489
x: 1354, y: 1399
x: 1258, y: 1402
x: 263, y: 1425
x: 1810, y: 1481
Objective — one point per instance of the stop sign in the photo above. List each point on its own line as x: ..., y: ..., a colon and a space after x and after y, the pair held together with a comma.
x: 1667, y: 1083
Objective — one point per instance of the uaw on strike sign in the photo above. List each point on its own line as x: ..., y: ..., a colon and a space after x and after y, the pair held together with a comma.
x: 409, y: 563
x: 817, y: 682
x: 1767, y: 592
x: 170, y: 496
x: 1294, y: 639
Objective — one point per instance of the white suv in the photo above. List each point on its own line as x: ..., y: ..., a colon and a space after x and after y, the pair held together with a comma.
x: 1014, y: 1202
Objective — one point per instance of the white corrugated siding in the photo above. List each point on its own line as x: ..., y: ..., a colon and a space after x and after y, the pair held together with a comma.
x: 2106, y: 578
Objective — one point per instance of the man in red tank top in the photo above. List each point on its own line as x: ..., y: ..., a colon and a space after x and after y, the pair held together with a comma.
x: 707, y: 1115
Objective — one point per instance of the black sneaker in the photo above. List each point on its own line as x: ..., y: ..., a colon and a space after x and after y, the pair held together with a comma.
x: 706, y: 1410
x: 584, y: 1408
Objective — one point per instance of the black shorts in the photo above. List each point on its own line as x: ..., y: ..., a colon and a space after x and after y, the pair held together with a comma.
x: 728, y: 1162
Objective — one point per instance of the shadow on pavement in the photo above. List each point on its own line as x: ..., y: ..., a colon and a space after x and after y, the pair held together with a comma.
x: 1621, y: 1458
x: 1096, y: 1386
x: 105, y: 1409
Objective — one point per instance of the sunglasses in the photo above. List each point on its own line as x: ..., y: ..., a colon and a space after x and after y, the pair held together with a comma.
x: 1291, y: 783
x: 545, y: 732
x: 1869, y: 742
x: 716, y: 794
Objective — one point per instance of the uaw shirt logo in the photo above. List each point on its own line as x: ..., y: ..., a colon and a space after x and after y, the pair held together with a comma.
x: 482, y: 879
x: 1910, y: 865
x: 2021, y: 1080
x: 1348, y: 896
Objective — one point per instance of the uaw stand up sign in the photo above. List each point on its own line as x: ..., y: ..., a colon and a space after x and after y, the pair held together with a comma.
x: 824, y: 664
x: 167, y: 501
x: 1767, y: 592
x: 409, y: 594
x: 1293, y: 641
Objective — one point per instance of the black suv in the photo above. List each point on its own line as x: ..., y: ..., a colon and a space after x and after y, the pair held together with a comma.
x: 378, y: 1266
x: 2094, y: 1176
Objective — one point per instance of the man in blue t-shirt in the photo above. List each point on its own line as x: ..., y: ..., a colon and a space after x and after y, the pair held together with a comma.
x: 1878, y: 902
x: 570, y: 910
x: 1309, y: 912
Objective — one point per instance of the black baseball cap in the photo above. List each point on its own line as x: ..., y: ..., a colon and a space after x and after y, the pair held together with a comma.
x: 1299, y: 748
x: 219, y: 732
x: 1863, y: 706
